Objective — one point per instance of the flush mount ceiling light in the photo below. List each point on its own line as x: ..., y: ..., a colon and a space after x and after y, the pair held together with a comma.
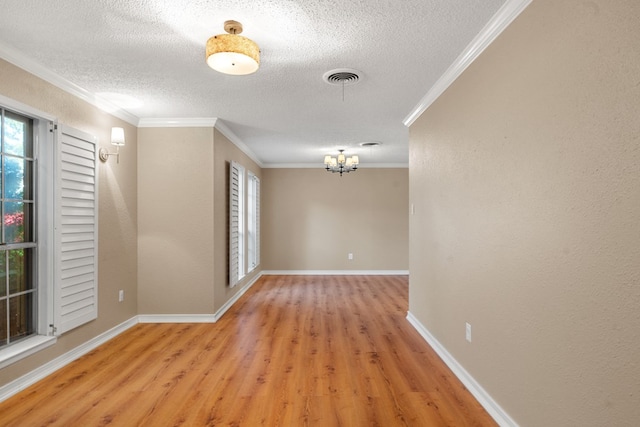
x: 231, y: 53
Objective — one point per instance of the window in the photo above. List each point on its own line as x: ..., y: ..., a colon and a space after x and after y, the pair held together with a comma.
x: 18, y: 287
x: 48, y: 233
x: 236, y: 223
x: 253, y: 222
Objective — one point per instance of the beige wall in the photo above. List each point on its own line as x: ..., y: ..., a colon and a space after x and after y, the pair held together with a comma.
x: 183, y: 180
x: 526, y: 179
x: 175, y: 220
x: 225, y: 152
x: 117, y: 211
x: 312, y: 219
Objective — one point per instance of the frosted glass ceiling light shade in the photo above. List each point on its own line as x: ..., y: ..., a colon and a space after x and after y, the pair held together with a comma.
x: 231, y: 53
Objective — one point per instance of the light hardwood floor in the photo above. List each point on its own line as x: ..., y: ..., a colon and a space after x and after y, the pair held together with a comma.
x: 293, y: 351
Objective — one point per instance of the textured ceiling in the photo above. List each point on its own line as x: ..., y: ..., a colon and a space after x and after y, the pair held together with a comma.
x: 151, y: 53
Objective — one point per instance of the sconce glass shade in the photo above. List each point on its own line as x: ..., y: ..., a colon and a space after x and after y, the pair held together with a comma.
x: 231, y: 53
x: 117, y: 136
x: 117, y: 139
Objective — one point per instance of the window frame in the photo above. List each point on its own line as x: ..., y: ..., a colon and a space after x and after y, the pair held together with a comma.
x: 28, y: 242
x: 43, y: 211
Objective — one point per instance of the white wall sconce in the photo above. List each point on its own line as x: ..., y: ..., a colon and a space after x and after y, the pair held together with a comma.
x: 117, y: 139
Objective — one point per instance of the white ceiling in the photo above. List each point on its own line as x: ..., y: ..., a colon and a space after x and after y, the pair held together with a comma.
x: 152, y: 52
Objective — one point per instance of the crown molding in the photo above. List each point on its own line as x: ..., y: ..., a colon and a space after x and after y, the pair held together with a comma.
x: 498, y: 23
x: 19, y: 60
x: 214, y: 122
x: 320, y: 165
x: 235, y: 140
x: 178, y: 122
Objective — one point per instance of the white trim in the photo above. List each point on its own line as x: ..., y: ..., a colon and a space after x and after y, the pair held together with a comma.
x: 199, y: 318
x: 176, y: 318
x: 481, y: 395
x: 214, y: 122
x: 321, y: 166
x: 49, y: 368
x: 496, y: 25
x: 226, y: 306
x: 19, y: 384
x: 178, y: 122
x: 18, y: 59
x: 20, y: 350
x: 336, y: 272
x: 25, y: 109
x: 235, y: 140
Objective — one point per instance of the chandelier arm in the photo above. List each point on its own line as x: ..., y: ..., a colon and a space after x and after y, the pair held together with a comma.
x: 341, y: 164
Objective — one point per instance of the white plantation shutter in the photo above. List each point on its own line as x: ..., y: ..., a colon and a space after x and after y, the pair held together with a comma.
x: 253, y: 221
x: 236, y: 195
x: 76, y: 230
x: 257, y: 222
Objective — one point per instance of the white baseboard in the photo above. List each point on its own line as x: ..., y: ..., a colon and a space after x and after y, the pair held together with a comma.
x: 336, y: 272
x: 176, y: 318
x: 226, y: 306
x: 19, y: 384
x: 491, y: 406
x: 49, y: 368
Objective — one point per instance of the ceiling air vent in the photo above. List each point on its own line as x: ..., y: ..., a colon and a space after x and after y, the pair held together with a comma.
x: 370, y: 144
x: 341, y: 76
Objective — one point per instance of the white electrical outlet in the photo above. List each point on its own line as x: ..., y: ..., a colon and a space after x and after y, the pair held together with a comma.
x: 468, y: 332
x: 350, y: 256
x: 120, y: 295
x: 413, y: 209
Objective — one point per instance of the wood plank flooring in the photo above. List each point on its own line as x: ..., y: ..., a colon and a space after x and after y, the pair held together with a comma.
x: 293, y: 351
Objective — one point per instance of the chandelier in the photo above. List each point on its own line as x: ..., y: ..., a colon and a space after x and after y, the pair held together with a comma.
x: 342, y: 164
x: 231, y: 53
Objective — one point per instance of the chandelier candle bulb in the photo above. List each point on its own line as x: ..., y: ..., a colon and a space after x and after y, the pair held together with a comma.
x: 342, y: 164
